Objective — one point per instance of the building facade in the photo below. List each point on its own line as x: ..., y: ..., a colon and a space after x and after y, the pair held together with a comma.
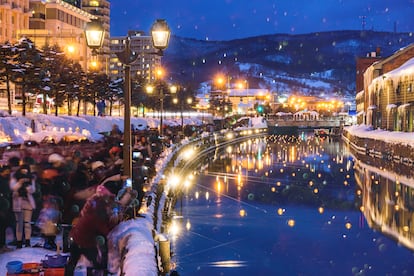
x: 14, y: 15
x: 388, y: 94
x: 145, y: 65
x: 58, y: 22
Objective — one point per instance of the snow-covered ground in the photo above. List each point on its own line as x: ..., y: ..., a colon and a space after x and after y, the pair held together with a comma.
x: 17, y: 129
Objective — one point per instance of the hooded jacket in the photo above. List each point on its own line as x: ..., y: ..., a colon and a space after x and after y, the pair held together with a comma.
x: 100, y: 214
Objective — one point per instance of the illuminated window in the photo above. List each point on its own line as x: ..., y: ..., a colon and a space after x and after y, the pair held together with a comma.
x: 94, y: 3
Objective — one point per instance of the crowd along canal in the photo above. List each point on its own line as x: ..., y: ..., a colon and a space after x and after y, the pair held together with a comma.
x: 282, y: 205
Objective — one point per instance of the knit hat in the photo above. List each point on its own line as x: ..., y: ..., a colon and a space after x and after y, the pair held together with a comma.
x: 55, y: 157
x: 115, y: 149
x: 97, y: 164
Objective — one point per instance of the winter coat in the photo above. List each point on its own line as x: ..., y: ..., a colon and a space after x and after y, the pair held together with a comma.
x: 16, y: 186
x: 100, y: 214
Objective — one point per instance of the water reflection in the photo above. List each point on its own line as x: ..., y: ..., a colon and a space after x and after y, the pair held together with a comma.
x: 291, y: 206
x: 387, y: 202
x: 281, y: 169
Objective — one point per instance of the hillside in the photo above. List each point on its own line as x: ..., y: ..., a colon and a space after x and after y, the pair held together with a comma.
x: 312, y: 63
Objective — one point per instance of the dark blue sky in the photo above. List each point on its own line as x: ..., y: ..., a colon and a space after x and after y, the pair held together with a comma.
x: 230, y: 19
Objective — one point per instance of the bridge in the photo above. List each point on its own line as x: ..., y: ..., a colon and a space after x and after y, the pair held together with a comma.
x: 291, y: 126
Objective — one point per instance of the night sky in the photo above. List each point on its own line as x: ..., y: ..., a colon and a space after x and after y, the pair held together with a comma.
x: 231, y: 19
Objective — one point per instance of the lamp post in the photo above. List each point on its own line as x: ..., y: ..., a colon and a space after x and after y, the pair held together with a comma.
x: 94, y: 33
x: 175, y: 89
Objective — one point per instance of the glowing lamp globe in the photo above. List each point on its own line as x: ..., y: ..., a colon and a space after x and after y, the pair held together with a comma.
x: 94, y: 32
x: 160, y: 33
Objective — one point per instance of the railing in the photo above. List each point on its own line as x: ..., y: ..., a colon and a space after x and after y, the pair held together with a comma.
x: 306, y: 123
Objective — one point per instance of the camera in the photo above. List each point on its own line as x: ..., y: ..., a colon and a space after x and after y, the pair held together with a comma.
x: 136, y: 155
x: 128, y: 183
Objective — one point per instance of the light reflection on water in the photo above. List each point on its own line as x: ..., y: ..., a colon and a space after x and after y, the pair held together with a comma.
x: 283, y: 206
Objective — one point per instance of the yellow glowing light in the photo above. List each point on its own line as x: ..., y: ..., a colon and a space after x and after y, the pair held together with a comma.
x: 406, y: 228
x: 188, y: 154
x: 242, y: 213
x: 207, y: 195
x: 174, y: 228
x: 362, y: 208
x: 321, y: 210
x: 218, y: 187
x: 348, y: 225
x: 197, y: 195
x: 281, y: 170
x: 187, y: 183
x: 291, y: 222
x: 280, y: 211
x: 278, y: 183
x: 174, y: 181
x: 273, y: 189
x: 188, y: 225
x: 159, y: 72
x: 316, y: 190
x: 396, y: 207
x: 71, y: 49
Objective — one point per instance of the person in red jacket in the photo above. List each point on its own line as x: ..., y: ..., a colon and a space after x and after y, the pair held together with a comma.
x: 100, y: 214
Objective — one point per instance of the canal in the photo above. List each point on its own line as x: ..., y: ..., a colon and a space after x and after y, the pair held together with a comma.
x: 287, y: 205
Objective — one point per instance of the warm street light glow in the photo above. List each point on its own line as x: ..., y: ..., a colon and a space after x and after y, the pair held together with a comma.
x: 95, y: 33
x: 160, y: 33
x: 94, y: 64
x: 71, y: 49
x: 173, y: 89
x: 159, y: 72
x: 150, y: 89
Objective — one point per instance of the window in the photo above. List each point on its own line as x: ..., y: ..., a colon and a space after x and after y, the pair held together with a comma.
x: 94, y: 3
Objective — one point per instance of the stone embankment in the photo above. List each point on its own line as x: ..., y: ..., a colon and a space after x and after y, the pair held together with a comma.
x: 381, y: 147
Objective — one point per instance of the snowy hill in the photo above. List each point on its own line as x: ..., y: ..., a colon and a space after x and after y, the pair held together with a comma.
x: 311, y: 63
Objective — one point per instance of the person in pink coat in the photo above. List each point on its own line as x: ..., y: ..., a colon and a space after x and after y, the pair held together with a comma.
x: 100, y: 214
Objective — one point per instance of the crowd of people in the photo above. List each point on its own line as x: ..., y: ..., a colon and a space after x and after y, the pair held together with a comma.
x: 81, y: 197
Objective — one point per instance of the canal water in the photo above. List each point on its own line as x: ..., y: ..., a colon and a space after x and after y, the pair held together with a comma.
x: 294, y: 206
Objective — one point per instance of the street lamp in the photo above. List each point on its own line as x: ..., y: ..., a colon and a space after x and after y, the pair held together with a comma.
x: 94, y: 33
x: 175, y: 89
